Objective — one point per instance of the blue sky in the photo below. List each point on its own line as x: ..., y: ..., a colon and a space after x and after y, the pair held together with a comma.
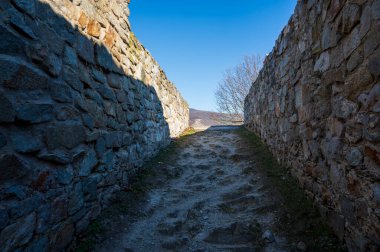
x: 194, y: 41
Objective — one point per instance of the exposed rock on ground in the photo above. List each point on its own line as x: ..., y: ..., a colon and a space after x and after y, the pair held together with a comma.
x: 212, y: 192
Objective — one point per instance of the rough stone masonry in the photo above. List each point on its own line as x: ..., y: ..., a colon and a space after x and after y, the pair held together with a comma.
x: 316, y: 103
x: 82, y: 105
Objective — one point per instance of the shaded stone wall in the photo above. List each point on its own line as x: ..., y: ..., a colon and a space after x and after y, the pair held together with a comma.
x: 316, y: 104
x: 83, y: 105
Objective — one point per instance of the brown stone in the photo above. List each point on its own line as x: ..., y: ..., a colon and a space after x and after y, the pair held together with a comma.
x: 83, y: 20
x: 93, y: 28
x: 109, y: 38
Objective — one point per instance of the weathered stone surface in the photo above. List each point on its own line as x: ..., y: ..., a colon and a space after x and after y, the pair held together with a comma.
x: 12, y: 167
x: 85, y: 49
x: 7, y: 112
x: 87, y: 163
x: 28, y: 6
x: 93, y: 28
x: 3, y: 140
x: 354, y: 157
x: 70, y: 73
x: 16, y: 74
x: 24, y: 141
x: 18, y: 234
x: 332, y: 60
x: 35, y: 113
x: 67, y: 135
x: 10, y: 44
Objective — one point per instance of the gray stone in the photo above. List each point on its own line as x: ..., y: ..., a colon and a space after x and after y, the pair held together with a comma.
x: 3, y: 140
x: 99, y: 76
x: 114, y: 81
x: 12, y: 167
x: 66, y: 135
x: 11, y: 44
x: 70, y: 57
x: 18, y: 20
x: 376, y: 9
x: 344, y: 108
x: 323, y: 63
x: 100, y: 147
x: 18, y: 234
x: 106, y: 92
x: 113, y: 139
x: 4, y: 218
x: 76, y: 200
x: 268, y: 236
x: 85, y: 49
x: 64, y: 176
x: 26, y: 206
x: 351, y: 43
x: 301, y: 246
x: 35, y: 113
x: 71, y: 77
x: 374, y: 65
x: 88, y: 121
x: 351, y: 17
x: 331, y: 148
x: 348, y: 209
x: 60, y: 92
x: 7, y: 112
x: 25, y: 142
x: 50, y: 37
x: 54, y: 65
x: 59, y: 157
x: 88, y: 162
x: 28, y: 6
x: 90, y: 186
x: 40, y: 244
x: 104, y: 58
x: 354, y: 157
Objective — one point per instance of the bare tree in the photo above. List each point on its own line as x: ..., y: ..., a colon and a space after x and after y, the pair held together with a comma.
x: 235, y: 86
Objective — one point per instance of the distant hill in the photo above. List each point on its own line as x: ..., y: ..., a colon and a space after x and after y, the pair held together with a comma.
x: 200, y: 119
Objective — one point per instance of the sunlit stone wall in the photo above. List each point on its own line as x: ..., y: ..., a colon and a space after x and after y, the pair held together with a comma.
x: 316, y: 104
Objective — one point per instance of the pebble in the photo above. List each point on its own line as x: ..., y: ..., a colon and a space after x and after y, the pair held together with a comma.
x: 268, y: 235
x: 301, y: 246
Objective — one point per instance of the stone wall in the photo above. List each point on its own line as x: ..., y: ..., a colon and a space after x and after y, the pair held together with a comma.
x: 316, y: 104
x: 83, y: 105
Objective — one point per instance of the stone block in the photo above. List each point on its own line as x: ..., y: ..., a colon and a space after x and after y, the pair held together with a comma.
x: 71, y: 77
x: 115, y: 81
x: 85, y: 49
x: 69, y: 135
x: 93, y: 28
x: 24, y: 141
x: 7, y: 111
x: 35, y: 113
x: 57, y: 156
x: 4, y: 218
x: 16, y: 74
x: 38, y: 245
x: 3, y: 140
x: 18, y: 234
x: 354, y: 157
x: 10, y: 44
x: 104, y: 58
x: 76, y: 200
x: 70, y: 57
x: 87, y: 163
x: 27, y: 6
x: 60, y: 92
x: 12, y: 167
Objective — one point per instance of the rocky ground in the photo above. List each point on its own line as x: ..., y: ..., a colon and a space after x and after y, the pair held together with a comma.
x: 217, y: 190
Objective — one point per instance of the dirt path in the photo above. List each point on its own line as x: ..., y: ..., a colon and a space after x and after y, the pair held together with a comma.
x: 216, y: 200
